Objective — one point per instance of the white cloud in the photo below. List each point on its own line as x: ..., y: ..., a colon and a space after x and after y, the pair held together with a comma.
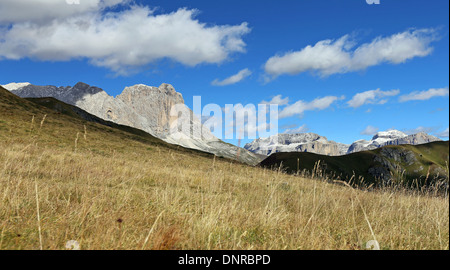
x: 277, y: 100
x: 43, y: 11
x: 233, y: 79
x: 443, y: 134
x: 419, y: 129
x: 121, y: 41
x: 425, y: 95
x: 300, y: 129
x: 371, y: 97
x: 245, y: 122
x: 329, y: 57
x: 326, y: 56
x: 299, y: 107
x: 369, y: 130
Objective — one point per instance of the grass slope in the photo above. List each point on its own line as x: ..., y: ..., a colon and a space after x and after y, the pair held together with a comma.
x: 110, y: 189
x: 428, y: 159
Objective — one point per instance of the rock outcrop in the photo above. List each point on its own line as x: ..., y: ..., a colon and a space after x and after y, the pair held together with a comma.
x: 302, y: 142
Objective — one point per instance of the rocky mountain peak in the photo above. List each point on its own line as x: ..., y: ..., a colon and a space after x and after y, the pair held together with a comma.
x: 391, y: 137
x: 314, y: 143
x: 144, y: 107
x: 390, y: 134
x: 168, y: 89
x: 81, y: 86
x: 301, y: 142
x: 142, y: 90
x: 80, y: 89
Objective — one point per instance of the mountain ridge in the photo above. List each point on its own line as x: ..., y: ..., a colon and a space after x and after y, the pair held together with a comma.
x: 144, y: 107
x: 420, y: 165
x: 391, y: 137
x: 301, y: 142
x: 59, y: 115
x: 132, y: 108
x: 314, y: 143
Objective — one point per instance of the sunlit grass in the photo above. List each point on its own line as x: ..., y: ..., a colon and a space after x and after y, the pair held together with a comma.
x: 106, y: 190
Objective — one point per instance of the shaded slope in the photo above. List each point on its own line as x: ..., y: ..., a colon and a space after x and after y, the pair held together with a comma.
x: 407, y: 163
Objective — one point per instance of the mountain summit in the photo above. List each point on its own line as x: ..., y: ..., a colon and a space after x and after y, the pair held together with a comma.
x: 313, y: 143
x: 391, y: 137
x: 144, y: 107
x: 302, y: 142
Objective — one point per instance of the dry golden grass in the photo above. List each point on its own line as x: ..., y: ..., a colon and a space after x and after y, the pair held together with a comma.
x: 108, y: 191
x: 113, y: 200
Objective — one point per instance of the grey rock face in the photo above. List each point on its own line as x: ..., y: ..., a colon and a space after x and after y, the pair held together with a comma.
x: 399, y: 155
x: 393, y: 137
x: 311, y: 142
x: 415, y: 139
x: 391, y: 160
x: 380, y: 173
x: 303, y: 142
x: 146, y: 108
x: 91, y: 99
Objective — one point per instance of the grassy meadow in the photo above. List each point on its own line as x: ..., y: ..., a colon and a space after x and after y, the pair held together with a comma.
x: 62, y: 179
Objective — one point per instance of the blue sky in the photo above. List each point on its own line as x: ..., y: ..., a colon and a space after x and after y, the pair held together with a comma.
x: 344, y: 69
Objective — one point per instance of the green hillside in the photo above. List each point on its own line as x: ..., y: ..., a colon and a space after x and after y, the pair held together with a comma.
x: 407, y: 164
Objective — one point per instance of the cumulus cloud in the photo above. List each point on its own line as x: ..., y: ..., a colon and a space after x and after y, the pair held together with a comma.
x: 233, y: 79
x: 245, y: 121
x: 371, y: 97
x: 299, y: 107
x: 425, y: 95
x: 329, y: 57
x: 279, y: 100
x: 369, y: 130
x: 300, y: 129
x: 43, y: 11
x: 420, y: 129
x: 118, y: 40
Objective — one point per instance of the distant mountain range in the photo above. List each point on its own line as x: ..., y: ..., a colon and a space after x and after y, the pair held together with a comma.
x: 148, y: 108
x: 391, y: 137
x: 313, y: 143
x: 410, y: 165
x: 302, y: 142
x: 143, y: 107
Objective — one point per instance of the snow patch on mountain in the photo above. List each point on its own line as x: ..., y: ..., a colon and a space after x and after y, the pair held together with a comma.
x: 14, y: 86
x: 302, y: 142
x: 390, y: 137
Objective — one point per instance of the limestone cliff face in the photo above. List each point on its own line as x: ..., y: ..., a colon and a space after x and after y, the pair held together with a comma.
x: 303, y: 142
x: 158, y: 106
x: 313, y: 143
x: 415, y: 139
x: 153, y: 103
x: 147, y: 108
x: 91, y: 99
x: 328, y: 149
x: 392, y: 137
